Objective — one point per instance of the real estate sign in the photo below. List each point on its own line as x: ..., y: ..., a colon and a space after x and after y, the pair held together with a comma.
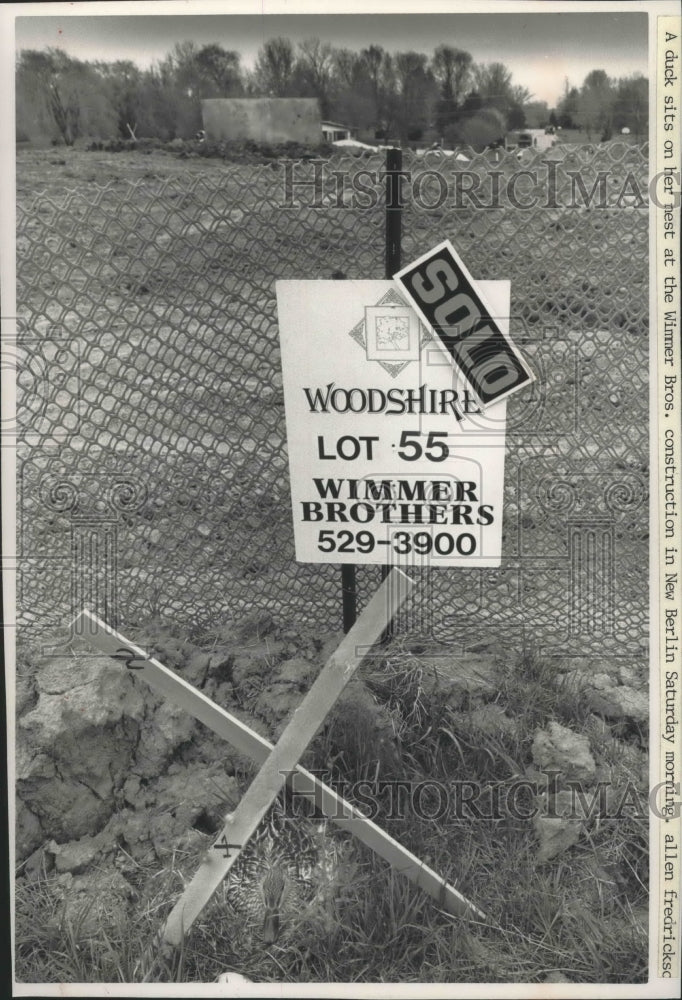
x: 390, y: 456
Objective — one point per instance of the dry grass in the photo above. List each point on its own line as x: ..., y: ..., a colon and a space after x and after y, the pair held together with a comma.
x: 582, y: 915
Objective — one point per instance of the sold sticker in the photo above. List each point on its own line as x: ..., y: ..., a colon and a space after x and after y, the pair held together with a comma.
x: 456, y: 309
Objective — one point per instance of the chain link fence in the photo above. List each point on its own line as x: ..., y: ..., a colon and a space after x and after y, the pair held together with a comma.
x: 152, y: 461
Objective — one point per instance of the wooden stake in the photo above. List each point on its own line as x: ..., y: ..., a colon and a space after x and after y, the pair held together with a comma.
x: 253, y: 745
x: 293, y: 742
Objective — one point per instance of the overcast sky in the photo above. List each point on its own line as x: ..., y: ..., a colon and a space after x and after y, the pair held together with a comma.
x: 540, y: 49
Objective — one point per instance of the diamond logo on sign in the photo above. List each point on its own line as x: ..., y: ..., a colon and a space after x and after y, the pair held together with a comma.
x: 391, y: 333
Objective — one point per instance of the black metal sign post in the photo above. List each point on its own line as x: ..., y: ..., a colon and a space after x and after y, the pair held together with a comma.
x: 394, y: 218
x: 349, y: 601
x: 394, y: 166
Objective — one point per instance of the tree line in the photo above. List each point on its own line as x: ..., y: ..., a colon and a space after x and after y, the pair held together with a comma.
x: 602, y: 107
x: 404, y: 95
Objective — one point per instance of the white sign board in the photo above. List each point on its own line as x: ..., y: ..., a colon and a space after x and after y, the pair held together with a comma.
x: 391, y: 460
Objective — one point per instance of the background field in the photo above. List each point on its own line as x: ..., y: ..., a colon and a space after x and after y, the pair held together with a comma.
x: 151, y: 420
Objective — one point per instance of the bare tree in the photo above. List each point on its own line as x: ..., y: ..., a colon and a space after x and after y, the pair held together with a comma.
x: 275, y: 66
x: 122, y: 85
x: 347, y: 68
x: 379, y: 69
x: 452, y: 70
x: 416, y: 91
x: 595, y: 104
x: 218, y: 71
x: 567, y: 108
x: 493, y: 83
x: 61, y: 84
x: 520, y: 95
x: 373, y: 58
x: 314, y: 66
x: 631, y: 104
x: 210, y: 71
x: 354, y: 98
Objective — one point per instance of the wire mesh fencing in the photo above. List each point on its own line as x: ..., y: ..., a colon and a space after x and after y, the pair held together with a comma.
x: 152, y: 454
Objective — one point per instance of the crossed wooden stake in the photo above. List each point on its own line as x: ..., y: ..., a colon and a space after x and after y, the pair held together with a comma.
x: 279, y: 762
